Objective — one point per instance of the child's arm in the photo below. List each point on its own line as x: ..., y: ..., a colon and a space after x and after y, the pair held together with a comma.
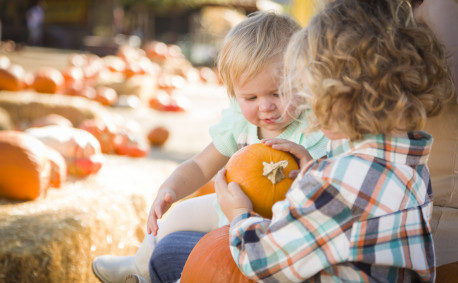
x: 185, y: 179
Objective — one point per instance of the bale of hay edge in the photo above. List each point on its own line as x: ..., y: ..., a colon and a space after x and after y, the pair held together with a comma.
x: 23, y: 107
x: 56, y: 237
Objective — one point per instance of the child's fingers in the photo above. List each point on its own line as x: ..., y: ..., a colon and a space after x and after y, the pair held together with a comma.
x: 273, y: 141
x: 293, y: 174
x: 220, y: 182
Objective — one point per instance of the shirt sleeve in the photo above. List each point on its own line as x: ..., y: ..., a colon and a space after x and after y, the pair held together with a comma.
x: 305, y: 235
x: 222, y: 133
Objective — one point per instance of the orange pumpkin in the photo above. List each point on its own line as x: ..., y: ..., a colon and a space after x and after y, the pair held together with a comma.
x: 48, y: 80
x: 262, y: 173
x: 210, y: 261
x: 206, y: 189
x: 58, y: 174
x: 24, y: 166
x: 158, y: 136
x: 104, y: 132
x: 12, y: 77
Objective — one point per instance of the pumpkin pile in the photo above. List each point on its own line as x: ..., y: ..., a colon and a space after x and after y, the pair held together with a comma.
x: 155, y: 74
x: 28, y: 167
x: 262, y: 173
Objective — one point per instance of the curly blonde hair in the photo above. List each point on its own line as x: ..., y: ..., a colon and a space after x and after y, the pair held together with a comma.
x: 368, y: 68
x: 253, y: 45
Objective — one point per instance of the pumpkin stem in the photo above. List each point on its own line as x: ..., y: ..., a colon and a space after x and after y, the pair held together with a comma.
x: 273, y: 171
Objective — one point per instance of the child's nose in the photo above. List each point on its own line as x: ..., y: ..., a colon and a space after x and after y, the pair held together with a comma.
x: 267, y: 105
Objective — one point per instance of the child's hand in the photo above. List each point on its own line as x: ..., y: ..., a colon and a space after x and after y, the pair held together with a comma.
x: 295, y: 149
x: 230, y: 197
x: 164, y: 199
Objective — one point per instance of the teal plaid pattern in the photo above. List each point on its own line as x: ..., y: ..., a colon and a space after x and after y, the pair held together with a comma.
x: 361, y: 215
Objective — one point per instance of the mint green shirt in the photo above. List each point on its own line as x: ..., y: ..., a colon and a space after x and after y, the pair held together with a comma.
x: 234, y: 132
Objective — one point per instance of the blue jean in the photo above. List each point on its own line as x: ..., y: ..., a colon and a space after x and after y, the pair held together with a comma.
x: 170, y: 255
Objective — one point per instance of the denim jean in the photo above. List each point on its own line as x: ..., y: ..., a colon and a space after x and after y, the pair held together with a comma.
x: 170, y: 255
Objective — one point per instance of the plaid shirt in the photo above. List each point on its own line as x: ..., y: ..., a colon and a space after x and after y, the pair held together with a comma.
x: 362, y: 215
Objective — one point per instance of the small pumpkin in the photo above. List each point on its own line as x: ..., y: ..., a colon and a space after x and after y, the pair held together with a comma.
x: 158, y: 136
x: 262, y: 173
x: 12, y: 77
x: 162, y: 101
x: 48, y: 80
x: 210, y: 261
x: 24, y: 166
x: 104, y: 132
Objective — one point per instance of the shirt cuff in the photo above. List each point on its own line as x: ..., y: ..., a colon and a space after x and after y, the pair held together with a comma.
x: 244, y: 216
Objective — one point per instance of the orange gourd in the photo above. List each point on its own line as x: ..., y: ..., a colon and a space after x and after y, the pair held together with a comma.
x: 262, y: 173
x: 104, y: 132
x: 12, y: 77
x: 24, y: 167
x: 210, y: 261
x: 158, y: 136
x: 48, y: 80
x: 58, y: 174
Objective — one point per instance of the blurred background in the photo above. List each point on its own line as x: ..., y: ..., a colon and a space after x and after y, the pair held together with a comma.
x: 101, y: 26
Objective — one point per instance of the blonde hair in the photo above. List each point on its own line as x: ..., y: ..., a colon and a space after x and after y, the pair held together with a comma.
x: 368, y: 68
x: 252, y: 45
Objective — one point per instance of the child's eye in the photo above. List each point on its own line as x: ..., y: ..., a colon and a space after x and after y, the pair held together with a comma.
x: 276, y: 95
x: 251, y: 98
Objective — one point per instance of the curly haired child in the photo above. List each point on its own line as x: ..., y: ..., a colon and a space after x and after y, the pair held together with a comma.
x: 371, y: 75
x: 250, y: 64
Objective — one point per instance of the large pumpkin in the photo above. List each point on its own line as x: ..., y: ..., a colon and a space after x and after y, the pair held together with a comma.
x: 24, y: 166
x: 210, y: 261
x: 262, y: 173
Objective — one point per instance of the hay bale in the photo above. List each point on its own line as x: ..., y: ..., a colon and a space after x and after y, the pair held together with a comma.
x: 24, y: 107
x: 141, y: 86
x: 5, y: 121
x: 56, y: 237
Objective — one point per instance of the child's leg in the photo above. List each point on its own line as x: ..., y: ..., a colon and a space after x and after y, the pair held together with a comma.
x: 195, y: 214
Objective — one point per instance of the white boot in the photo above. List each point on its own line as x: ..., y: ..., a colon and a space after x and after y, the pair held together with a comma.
x: 115, y: 269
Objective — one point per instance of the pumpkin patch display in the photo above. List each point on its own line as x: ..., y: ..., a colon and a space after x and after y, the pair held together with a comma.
x: 25, y: 168
x: 262, y: 173
x: 210, y: 261
x: 80, y: 149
